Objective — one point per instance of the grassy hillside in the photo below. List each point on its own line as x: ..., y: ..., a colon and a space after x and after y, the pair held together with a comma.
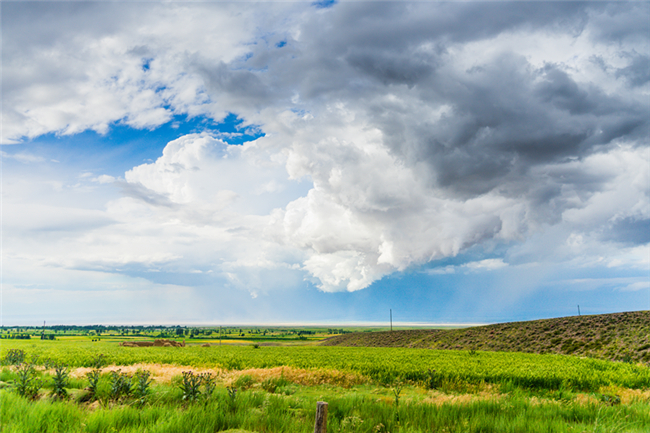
x: 617, y: 337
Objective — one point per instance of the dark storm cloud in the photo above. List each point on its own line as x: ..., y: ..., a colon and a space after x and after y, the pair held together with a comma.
x: 620, y: 22
x: 630, y: 231
x: 354, y: 48
x: 638, y: 72
x: 243, y: 86
x: 506, y: 116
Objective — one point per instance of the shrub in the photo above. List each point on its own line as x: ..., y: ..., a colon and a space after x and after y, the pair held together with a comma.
x: 14, y: 357
x: 142, y: 382
x: 120, y: 385
x: 191, y: 386
x: 208, y: 382
x: 60, y: 380
x: 93, y: 380
x: 27, y: 383
x: 610, y: 399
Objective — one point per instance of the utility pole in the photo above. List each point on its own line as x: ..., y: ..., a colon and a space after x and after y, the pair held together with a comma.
x: 391, y: 320
x: 579, y: 310
x: 219, y: 335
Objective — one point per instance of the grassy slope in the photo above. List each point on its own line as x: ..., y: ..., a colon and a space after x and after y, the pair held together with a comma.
x: 618, y: 336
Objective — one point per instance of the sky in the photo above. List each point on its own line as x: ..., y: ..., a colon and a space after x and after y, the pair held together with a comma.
x: 323, y: 162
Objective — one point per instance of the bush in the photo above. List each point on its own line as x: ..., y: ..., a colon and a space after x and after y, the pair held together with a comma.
x: 93, y: 380
x: 142, y: 382
x: 610, y: 399
x: 14, y: 357
x: 120, y: 385
x: 191, y: 386
x: 27, y: 384
x: 60, y: 380
x: 208, y: 382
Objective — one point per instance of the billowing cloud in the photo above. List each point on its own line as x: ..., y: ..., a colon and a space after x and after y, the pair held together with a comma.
x: 420, y: 129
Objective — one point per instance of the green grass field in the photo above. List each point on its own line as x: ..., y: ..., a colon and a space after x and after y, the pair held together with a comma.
x: 382, y: 365
x: 277, y: 389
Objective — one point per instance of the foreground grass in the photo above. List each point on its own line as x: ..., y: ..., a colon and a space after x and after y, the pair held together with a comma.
x: 359, y: 409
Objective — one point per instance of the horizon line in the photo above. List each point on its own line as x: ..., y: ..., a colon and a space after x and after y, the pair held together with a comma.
x: 269, y: 324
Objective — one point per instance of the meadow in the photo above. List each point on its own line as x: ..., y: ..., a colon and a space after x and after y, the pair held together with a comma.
x: 258, y: 388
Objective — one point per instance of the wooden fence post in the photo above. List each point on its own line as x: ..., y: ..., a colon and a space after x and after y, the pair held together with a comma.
x: 321, y: 417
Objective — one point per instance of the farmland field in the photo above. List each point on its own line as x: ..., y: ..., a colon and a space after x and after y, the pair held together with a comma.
x: 274, y: 389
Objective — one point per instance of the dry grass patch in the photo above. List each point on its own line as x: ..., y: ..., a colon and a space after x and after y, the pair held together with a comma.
x: 586, y: 399
x: 299, y: 376
x: 627, y: 395
x: 163, y: 373
x: 439, y: 398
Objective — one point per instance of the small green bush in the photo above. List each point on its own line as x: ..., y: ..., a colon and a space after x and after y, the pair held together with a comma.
x: 191, y: 386
x: 14, y: 357
x: 208, y: 383
x: 120, y: 385
x: 93, y: 381
x: 610, y: 399
x: 142, y: 385
x: 28, y: 383
x: 60, y: 382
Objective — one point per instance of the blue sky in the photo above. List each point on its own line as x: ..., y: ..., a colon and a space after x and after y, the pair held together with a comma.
x: 324, y: 162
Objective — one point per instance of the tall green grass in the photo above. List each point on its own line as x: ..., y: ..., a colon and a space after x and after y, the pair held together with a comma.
x: 348, y: 412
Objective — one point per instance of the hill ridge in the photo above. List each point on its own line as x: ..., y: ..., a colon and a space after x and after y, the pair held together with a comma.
x: 616, y: 336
